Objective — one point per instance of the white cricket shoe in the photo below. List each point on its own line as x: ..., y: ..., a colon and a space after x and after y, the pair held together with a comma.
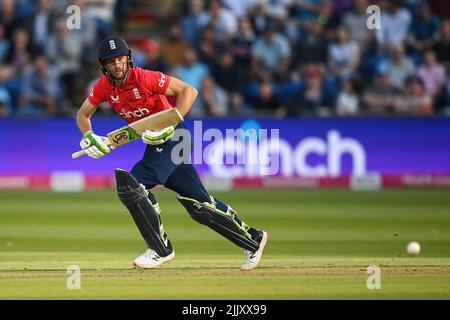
x: 253, y: 258
x: 150, y: 259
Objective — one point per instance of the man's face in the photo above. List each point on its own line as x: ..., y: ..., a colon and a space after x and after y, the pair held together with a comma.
x: 360, y: 6
x: 190, y: 57
x: 269, y: 35
x: 398, y: 52
x: 2, y: 110
x: 117, y: 67
x: 383, y: 80
x: 41, y: 64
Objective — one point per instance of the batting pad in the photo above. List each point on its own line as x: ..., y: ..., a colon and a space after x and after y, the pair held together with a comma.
x: 221, y: 222
x: 134, y: 197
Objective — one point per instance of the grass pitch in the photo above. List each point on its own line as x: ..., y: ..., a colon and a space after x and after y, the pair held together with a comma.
x: 321, y: 243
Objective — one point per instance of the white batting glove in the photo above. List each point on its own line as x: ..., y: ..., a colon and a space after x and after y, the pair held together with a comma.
x: 95, y: 146
x: 158, y: 137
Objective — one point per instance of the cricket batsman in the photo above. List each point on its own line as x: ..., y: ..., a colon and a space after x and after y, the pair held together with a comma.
x: 135, y: 93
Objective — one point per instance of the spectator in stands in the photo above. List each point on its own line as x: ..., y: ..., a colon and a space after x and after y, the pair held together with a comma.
x: 432, y: 74
x: 154, y: 59
x: 64, y: 52
x: 238, y: 106
x: 379, y: 96
x: 19, y: 54
x: 441, y: 8
x: 271, y: 52
x: 401, y: 66
x: 190, y: 22
x: 414, y: 100
x: 348, y: 99
x: 4, y: 44
x: 267, y: 100
x: 309, y: 10
x: 340, y: 8
x: 356, y: 22
x: 344, y: 56
x: 5, y: 103
x: 3, y: 112
x: 191, y: 70
x: 40, y: 89
x: 173, y: 45
x: 259, y: 18
x: 312, y: 45
x: 239, y: 8
x: 424, y: 29
x: 329, y: 18
x: 222, y: 20
x: 8, y: 17
x: 40, y: 25
x: 241, y: 46
x: 214, y: 99
x: 442, y: 48
x: 226, y: 73
x: 284, y: 24
x: 445, y: 99
x: 102, y: 12
x: 395, y: 22
x: 209, y: 48
x: 313, y: 99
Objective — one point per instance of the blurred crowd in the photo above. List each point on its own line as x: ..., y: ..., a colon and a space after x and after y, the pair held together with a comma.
x: 48, y: 53
x: 246, y: 57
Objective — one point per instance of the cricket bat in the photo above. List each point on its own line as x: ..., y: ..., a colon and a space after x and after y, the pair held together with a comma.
x: 133, y: 131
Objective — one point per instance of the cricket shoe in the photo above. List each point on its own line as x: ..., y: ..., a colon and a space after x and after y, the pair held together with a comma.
x: 253, y: 258
x: 150, y: 259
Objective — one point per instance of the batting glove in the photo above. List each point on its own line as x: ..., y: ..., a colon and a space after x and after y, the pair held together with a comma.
x: 94, y: 146
x: 158, y: 137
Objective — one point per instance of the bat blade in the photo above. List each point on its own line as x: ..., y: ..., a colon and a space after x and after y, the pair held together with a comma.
x: 155, y: 122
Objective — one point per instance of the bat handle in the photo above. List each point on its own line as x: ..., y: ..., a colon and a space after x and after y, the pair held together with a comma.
x: 78, y: 154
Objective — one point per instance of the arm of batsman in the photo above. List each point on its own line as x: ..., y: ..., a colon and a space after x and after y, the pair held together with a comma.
x: 95, y: 146
x: 158, y: 137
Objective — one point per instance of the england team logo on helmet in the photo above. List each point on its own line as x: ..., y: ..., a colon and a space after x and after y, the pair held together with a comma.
x: 112, y: 44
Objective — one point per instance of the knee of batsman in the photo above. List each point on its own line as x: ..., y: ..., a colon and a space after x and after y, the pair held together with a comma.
x: 200, y: 212
x: 131, y: 197
x: 134, y: 197
x: 129, y: 190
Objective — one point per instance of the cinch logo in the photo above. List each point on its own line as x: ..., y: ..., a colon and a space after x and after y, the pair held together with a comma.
x: 134, y: 114
x: 112, y: 44
x: 294, y: 159
x: 162, y: 81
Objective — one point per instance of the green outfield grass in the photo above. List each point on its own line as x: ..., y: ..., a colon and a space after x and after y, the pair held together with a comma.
x: 321, y: 243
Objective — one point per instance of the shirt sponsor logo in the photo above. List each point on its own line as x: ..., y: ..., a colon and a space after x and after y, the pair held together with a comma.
x: 138, y: 113
x: 162, y: 81
x: 115, y: 99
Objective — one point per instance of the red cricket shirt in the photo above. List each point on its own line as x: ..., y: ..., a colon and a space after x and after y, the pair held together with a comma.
x: 142, y: 94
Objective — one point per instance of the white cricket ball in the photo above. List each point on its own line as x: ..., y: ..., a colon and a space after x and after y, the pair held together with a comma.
x: 413, y: 248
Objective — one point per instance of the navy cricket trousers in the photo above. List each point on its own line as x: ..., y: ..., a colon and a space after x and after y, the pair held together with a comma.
x: 157, y: 168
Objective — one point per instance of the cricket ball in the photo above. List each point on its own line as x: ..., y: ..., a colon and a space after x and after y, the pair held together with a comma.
x: 413, y: 248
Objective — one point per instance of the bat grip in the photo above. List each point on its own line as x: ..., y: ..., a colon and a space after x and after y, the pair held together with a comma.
x: 78, y: 154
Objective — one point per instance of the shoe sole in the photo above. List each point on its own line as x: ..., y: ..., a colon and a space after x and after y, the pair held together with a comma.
x: 163, y: 260
x: 264, y: 243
